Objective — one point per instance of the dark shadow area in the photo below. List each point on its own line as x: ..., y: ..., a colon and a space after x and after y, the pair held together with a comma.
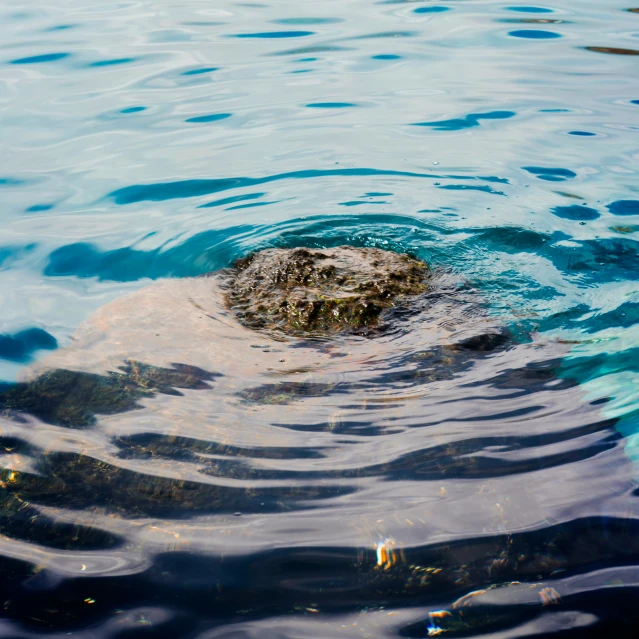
x: 155, y: 446
x: 337, y: 580
x: 467, y: 122
x: 624, y: 207
x: 21, y: 521
x: 204, y: 252
x: 550, y: 174
x: 287, y: 392
x: 80, y: 482
x: 576, y: 212
x: 472, y: 458
x: 159, y: 192
x: 73, y: 399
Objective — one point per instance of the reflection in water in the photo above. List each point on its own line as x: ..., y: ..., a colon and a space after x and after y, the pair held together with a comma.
x: 614, y: 50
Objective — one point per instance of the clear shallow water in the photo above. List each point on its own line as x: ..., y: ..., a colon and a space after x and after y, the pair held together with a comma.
x: 144, y: 141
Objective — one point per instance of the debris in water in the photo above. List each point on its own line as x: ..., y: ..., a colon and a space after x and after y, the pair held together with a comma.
x: 386, y: 556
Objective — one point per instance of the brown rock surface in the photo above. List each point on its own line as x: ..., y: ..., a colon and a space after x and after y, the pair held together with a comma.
x: 310, y: 291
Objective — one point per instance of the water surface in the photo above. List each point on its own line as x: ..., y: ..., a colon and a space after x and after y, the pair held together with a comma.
x: 172, y: 477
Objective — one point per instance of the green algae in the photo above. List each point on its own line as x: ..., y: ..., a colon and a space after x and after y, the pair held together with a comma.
x: 322, y: 292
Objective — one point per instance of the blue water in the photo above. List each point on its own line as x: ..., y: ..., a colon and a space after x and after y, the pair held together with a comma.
x: 498, y: 141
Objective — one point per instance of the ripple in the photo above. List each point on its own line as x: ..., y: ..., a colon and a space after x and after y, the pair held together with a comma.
x: 550, y: 174
x: 38, y: 59
x: 39, y: 208
x: 195, y: 188
x: 613, y: 50
x: 133, y: 109
x: 179, y: 77
x: 165, y: 472
x: 275, y: 34
x: 358, y: 203
x: 200, y: 71
x: 469, y: 187
x: 308, y: 21
x: 112, y: 62
x: 575, y: 212
x: 386, y: 34
x: 533, y: 21
x: 11, y: 253
x: 604, y: 260
x: 21, y: 346
x: 534, y: 34
x: 215, y: 248
x: 320, y: 48
x: 213, y: 117
x: 330, y: 105
x: 21, y: 521
x: 61, y: 27
x: 432, y: 9
x: 154, y: 445
x: 73, y: 399
x: 624, y: 207
x: 530, y: 9
x: 232, y: 200
x: 467, y: 122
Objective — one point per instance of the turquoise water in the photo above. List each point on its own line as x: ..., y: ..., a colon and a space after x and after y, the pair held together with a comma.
x: 496, y: 140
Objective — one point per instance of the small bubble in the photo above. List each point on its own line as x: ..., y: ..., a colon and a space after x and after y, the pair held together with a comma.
x: 237, y: 514
x: 435, y: 163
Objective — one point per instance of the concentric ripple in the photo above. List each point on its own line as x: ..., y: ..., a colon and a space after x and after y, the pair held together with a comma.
x: 166, y: 472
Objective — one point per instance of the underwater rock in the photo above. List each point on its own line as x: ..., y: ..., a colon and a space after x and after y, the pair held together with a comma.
x: 301, y: 291
x: 74, y: 398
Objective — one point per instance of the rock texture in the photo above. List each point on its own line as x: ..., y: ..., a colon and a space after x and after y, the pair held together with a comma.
x: 309, y: 291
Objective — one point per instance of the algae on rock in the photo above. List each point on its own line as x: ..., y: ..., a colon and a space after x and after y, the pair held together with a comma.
x: 310, y: 291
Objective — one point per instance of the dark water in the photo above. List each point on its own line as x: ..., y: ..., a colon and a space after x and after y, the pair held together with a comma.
x: 168, y: 474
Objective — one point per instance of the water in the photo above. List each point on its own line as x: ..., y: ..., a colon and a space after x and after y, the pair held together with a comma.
x: 182, y: 480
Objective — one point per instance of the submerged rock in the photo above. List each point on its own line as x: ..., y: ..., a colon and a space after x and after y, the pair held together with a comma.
x: 301, y: 291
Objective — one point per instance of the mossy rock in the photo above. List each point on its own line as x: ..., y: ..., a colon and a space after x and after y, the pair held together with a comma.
x: 324, y: 292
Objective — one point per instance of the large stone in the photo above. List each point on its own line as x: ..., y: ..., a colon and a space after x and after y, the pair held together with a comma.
x: 310, y: 291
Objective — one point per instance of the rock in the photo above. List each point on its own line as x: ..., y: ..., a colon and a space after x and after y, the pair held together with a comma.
x: 323, y: 292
